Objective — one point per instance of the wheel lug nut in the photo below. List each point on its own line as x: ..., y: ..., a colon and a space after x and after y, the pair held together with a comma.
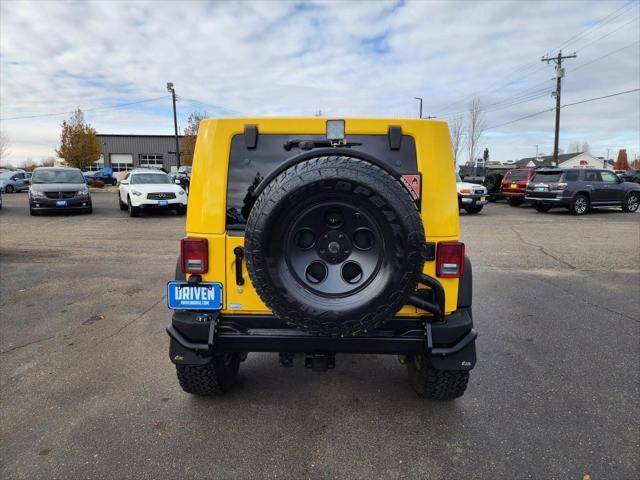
x: 340, y: 236
x: 322, y: 250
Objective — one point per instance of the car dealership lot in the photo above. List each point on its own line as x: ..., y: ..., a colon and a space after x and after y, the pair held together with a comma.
x: 87, y: 389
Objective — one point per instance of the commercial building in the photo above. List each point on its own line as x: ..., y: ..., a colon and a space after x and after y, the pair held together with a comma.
x: 125, y: 152
x: 565, y: 160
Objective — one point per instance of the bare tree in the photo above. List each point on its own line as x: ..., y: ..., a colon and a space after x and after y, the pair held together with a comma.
x: 475, y: 128
x: 456, y: 130
x: 4, y: 146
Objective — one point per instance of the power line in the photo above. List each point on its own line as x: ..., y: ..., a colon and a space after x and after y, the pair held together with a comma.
x: 603, y: 56
x: 563, y: 106
x: 600, y: 98
x: 597, y: 25
x: 607, y: 34
x: 112, y: 107
x: 527, y: 66
x: 521, y: 118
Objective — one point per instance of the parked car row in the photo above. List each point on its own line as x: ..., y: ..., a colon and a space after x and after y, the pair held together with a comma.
x: 54, y: 189
x: 14, y: 181
x: 576, y: 189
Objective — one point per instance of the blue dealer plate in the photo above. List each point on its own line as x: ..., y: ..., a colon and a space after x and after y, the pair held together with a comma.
x: 194, y: 296
x: 61, y: 203
x: 163, y: 203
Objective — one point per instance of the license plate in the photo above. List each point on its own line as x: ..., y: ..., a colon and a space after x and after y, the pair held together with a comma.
x: 482, y: 199
x: 194, y: 296
x: 61, y: 203
x: 540, y: 189
x: 163, y: 203
x: 514, y: 185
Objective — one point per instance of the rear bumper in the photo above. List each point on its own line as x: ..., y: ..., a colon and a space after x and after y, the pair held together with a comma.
x: 553, y: 201
x: 195, y: 337
x: 512, y: 194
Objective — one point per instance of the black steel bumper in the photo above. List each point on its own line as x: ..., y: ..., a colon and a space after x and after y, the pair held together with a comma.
x: 196, y: 337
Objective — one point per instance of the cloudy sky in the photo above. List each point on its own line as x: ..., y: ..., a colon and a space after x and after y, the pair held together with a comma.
x: 343, y: 58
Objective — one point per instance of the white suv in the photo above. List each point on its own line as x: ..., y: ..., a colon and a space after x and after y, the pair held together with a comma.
x: 144, y: 189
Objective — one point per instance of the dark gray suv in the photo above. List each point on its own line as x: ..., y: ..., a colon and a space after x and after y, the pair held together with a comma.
x: 58, y: 189
x: 580, y: 189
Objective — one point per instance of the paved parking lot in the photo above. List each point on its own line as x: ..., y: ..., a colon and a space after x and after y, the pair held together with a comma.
x: 87, y: 390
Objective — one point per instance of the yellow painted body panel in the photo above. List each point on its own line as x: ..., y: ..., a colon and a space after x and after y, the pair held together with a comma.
x: 208, y: 192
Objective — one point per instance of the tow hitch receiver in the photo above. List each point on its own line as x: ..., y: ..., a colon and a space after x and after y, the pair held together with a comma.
x: 320, y: 362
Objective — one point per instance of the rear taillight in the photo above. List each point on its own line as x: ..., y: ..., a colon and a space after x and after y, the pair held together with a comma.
x: 195, y: 255
x: 450, y: 260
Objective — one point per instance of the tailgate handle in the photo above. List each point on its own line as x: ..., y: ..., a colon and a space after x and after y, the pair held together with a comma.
x: 239, y: 253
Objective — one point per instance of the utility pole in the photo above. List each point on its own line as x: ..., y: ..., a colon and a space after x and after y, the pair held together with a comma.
x: 419, y: 98
x: 536, y: 152
x: 175, y: 121
x: 606, y: 160
x: 559, y: 74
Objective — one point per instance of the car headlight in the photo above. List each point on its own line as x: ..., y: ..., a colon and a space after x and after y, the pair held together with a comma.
x: 37, y: 194
x: 136, y: 193
x: 83, y: 191
x: 181, y: 192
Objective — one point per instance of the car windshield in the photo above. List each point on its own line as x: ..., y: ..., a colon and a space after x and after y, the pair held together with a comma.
x: 458, y: 179
x: 149, y: 178
x: 57, y: 176
x: 546, y: 177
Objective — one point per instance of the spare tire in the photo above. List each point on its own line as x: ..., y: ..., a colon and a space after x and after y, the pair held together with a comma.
x: 334, y: 245
x: 492, y: 182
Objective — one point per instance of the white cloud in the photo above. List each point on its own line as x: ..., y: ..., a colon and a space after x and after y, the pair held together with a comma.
x: 346, y: 58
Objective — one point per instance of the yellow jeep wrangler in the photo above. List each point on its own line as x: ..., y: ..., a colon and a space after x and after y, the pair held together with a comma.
x: 311, y: 237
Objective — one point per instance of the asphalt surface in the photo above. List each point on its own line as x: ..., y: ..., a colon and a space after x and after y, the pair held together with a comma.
x: 87, y: 389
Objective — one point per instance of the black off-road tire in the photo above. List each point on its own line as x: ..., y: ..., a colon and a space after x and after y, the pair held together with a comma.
x: 492, y: 182
x: 474, y: 209
x: 540, y: 207
x: 213, y: 378
x: 355, y: 186
x: 579, y: 205
x: 515, y: 202
x: 631, y: 202
x: 428, y: 382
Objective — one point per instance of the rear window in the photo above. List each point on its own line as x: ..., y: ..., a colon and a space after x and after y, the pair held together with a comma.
x: 517, y: 175
x: 546, y: 177
x: 571, y: 176
x: 248, y: 167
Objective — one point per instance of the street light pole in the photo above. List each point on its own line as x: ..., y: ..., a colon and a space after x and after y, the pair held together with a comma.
x: 419, y: 98
x: 171, y: 90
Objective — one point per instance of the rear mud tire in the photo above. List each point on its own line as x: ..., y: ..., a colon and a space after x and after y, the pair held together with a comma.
x: 361, y: 192
x: 211, y: 379
x: 433, y: 384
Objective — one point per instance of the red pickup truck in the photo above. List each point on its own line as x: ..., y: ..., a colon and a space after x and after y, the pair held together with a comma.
x: 514, y: 185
